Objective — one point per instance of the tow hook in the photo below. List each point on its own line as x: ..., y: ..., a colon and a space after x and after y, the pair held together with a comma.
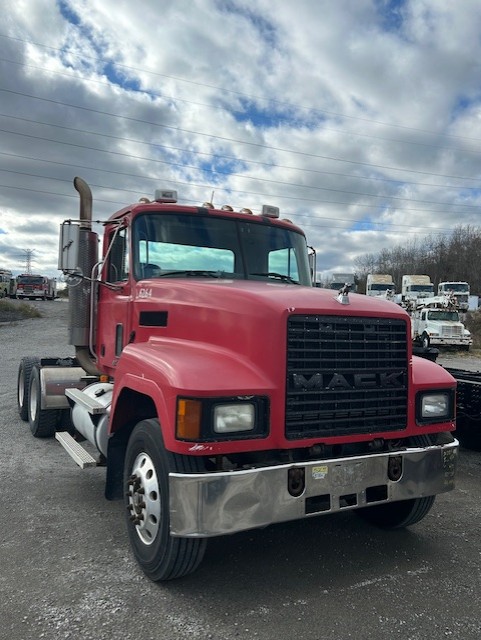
x: 296, y: 481
x: 395, y: 468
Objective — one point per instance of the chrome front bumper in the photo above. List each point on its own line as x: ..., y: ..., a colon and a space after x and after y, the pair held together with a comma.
x: 212, y: 504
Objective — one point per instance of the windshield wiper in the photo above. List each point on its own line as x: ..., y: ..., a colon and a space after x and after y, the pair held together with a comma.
x: 279, y: 276
x: 193, y: 273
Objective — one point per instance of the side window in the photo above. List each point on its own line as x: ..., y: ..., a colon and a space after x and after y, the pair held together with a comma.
x: 118, y: 268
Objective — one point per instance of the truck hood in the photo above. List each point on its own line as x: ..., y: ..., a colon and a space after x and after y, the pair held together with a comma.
x: 243, y: 315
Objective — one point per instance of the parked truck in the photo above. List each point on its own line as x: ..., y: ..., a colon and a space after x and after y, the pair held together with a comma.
x: 5, y: 278
x: 414, y: 287
x: 222, y: 392
x: 380, y: 285
x: 339, y: 280
x: 460, y: 290
x: 35, y: 286
x: 438, y: 325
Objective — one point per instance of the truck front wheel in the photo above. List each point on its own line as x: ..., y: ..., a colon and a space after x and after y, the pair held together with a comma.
x: 146, y: 482
x: 425, y: 341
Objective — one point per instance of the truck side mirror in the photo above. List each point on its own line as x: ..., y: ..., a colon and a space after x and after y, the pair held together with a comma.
x: 72, y: 239
x: 68, y: 251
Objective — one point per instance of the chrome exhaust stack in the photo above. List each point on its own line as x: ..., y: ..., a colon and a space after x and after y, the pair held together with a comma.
x: 78, y: 256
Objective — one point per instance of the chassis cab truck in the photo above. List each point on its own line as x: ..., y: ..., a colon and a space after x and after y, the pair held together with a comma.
x: 224, y: 392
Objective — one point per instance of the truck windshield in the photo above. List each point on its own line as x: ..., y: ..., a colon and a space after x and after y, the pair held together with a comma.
x: 185, y: 246
x: 457, y: 287
x: 29, y: 280
x: 382, y: 287
x: 441, y: 316
x: 422, y: 287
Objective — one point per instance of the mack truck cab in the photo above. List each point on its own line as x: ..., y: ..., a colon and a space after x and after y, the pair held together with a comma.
x: 223, y: 392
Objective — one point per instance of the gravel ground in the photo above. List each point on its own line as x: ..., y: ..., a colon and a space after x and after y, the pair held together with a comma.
x: 67, y: 571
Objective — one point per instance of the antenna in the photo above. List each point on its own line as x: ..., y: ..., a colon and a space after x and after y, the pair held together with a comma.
x: 212, y: 196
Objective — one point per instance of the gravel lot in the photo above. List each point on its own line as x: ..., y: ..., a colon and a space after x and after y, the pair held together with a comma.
x: 67, y: 571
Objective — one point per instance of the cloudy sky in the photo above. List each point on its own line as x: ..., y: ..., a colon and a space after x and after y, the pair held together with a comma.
x: 360, y: 119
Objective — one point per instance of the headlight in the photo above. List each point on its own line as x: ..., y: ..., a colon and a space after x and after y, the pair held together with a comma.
x: 229, y: 418
x: 435, y: 406
x: 214, y: 419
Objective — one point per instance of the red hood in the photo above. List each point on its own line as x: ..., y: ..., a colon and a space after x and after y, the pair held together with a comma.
x: 241, y: 315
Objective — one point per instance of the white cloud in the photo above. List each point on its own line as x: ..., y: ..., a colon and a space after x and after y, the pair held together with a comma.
x: 361, y: 120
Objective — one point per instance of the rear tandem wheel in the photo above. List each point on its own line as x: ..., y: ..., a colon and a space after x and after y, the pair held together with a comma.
x: 42, y: 422
x: 23, y: 384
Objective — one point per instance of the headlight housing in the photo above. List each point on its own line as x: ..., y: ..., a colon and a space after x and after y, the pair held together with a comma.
x: 435, y: 406
x: 213, y: 419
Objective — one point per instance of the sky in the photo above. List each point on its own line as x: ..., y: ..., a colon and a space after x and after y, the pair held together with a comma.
x: 359, y: 119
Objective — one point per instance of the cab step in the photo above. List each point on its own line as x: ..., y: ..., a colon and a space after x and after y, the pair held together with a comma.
x: 75, y: 450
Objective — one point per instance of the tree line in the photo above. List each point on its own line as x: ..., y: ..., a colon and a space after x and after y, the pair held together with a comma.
x: 455, y: 257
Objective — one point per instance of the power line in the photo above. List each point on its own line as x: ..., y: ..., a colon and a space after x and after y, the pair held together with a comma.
x: 385, y: 197
x: 224, y: 157
x: 175, y: 99
x: 233, y: 140
x: 289, y: 213
x: 253, y: 97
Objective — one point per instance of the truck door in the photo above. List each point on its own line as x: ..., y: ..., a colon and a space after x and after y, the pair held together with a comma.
x: 114, y: 301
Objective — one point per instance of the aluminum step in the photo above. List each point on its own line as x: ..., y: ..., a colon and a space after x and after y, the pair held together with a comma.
x: 75, y: 450
x: 91, y: 404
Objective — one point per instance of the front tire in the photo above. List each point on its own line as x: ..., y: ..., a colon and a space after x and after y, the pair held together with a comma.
x: 42, y: 421
x: 146, y: 480
x: 425, y: 342
x: 23, y: 384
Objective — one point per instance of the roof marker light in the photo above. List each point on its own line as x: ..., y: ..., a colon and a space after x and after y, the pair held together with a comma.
x: 165, y: 195
x: 270, y: 212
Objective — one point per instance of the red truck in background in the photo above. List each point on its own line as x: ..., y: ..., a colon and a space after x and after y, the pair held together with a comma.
x: 30, y: 285
x: 224, y: 392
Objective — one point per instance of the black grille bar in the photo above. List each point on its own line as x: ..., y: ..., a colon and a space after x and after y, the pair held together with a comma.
x: 345, y: 375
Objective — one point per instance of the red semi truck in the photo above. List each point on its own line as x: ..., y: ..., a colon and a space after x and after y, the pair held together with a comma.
x: 224, y: 392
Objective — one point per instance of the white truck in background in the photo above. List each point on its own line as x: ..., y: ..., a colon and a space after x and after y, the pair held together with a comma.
x: 338, y: 280
x: 435, y: 322
x: 459, y: 289
x: 414, y: 287
x: 380, y: 285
